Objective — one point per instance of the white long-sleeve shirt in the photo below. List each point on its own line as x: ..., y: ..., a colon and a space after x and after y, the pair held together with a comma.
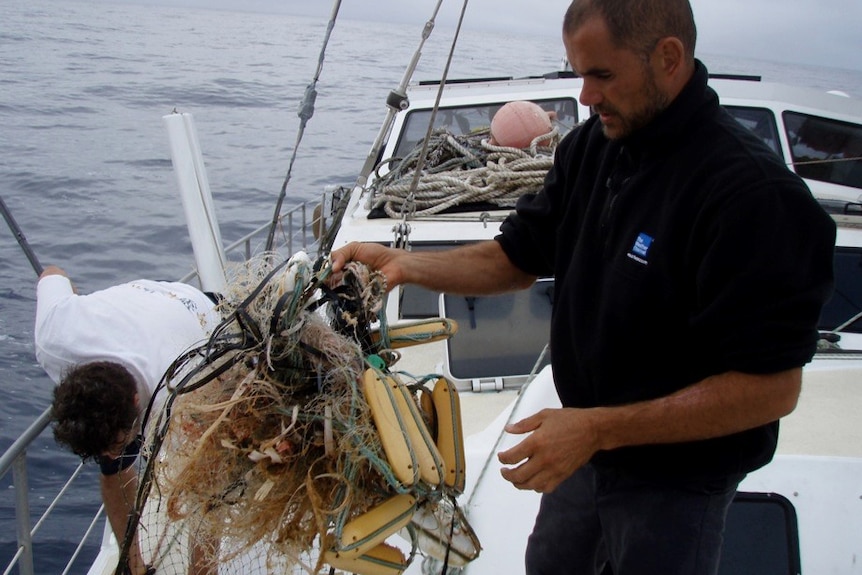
x: 143, y: 325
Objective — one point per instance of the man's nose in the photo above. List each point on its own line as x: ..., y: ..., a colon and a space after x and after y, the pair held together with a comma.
x: 589, y: 96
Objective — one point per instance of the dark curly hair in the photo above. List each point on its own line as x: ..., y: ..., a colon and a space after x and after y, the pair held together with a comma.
x: 93, y: 404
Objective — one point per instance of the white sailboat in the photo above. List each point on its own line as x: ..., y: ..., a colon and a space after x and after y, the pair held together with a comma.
x: 799, y: 514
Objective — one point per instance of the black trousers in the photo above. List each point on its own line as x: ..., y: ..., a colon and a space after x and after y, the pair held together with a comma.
x: 599, y: 521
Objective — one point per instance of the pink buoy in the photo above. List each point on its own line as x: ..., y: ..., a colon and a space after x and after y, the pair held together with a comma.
x: 517, y: 124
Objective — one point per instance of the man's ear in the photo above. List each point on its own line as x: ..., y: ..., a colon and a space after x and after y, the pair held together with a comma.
x: 671, y: 69
x: 670, y: 56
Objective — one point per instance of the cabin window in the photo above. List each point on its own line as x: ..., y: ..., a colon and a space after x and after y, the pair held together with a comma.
x: 501, y: 335
x: 497, y: 335
x: 825, y: 150
x: 761, y: 121
x: 461, y: 120
x: 845, y: 306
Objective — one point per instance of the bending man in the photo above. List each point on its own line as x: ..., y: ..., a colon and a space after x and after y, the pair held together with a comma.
x: 108, y: 351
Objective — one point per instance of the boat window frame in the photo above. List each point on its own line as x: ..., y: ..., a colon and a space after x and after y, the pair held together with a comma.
x: 834, y: 167
x: 502, y: 336
x: 761, y: 536
x: 767, y: 132
x: 405, y: 143
x: 844, y: 304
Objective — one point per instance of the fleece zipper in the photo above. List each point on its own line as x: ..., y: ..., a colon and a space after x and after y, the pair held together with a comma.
x: 620, y: 175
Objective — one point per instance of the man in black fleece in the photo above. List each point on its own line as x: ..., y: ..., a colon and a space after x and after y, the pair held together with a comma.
x: 690, y: 266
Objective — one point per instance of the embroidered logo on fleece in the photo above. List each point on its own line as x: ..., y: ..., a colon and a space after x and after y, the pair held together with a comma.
x: 641, y: 248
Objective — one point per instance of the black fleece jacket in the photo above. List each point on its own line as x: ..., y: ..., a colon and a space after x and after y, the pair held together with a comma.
x: 685, y: 250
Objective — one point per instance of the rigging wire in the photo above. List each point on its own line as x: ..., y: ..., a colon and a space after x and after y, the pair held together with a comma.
x: 397, y: 101
x: 306, y: 111
x: 406, y: 208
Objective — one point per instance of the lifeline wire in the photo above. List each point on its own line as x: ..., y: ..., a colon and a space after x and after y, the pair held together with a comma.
x: 521, y: 393
x: 306, y: 111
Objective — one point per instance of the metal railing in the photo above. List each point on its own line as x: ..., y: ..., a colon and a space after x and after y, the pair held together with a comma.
x: 15, y: 459
x: 298, y: 229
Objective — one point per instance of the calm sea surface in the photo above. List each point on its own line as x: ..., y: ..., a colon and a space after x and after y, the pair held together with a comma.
x: 85, y: 166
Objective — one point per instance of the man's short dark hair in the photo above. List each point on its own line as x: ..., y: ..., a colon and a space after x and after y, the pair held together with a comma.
x: 93, y: 404
x: 637, y: 24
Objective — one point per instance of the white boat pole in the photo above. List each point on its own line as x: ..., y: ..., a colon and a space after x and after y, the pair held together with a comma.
x: 197, y: 201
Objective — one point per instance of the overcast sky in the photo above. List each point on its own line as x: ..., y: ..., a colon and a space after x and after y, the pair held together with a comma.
x: 818, y: 32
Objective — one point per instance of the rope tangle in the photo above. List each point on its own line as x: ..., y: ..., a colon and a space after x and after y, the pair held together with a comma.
x: 461, y: 170
x: 267, y: 438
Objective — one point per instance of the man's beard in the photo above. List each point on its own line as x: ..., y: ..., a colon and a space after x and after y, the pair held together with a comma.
x: 653, y: 103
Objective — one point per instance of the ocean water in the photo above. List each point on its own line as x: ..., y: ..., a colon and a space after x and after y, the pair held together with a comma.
x: 85, y: 166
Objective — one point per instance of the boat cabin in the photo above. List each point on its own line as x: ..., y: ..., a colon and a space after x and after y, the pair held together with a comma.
x: 817, y: 134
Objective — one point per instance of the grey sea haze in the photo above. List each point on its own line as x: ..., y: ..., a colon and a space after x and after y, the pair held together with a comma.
x: 85, y: 165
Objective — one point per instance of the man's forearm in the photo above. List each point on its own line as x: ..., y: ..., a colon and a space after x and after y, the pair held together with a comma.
x: 477, y: 269
x: 717, y: 406
x: 562, y: 440
x: 118, y: 494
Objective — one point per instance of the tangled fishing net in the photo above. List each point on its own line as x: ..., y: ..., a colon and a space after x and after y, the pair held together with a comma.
x: 463, y: 169
x: 266, y: 452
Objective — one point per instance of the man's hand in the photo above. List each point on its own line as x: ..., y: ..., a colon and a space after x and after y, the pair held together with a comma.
x: 52, y: 271
x: 55, y: 271
x: 377, y: 257
x: 560, y: 442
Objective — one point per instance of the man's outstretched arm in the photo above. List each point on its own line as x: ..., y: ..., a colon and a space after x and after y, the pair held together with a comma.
x: 476, y: 269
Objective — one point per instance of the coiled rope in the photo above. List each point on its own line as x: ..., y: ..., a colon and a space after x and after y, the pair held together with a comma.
x: 464, y: 169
